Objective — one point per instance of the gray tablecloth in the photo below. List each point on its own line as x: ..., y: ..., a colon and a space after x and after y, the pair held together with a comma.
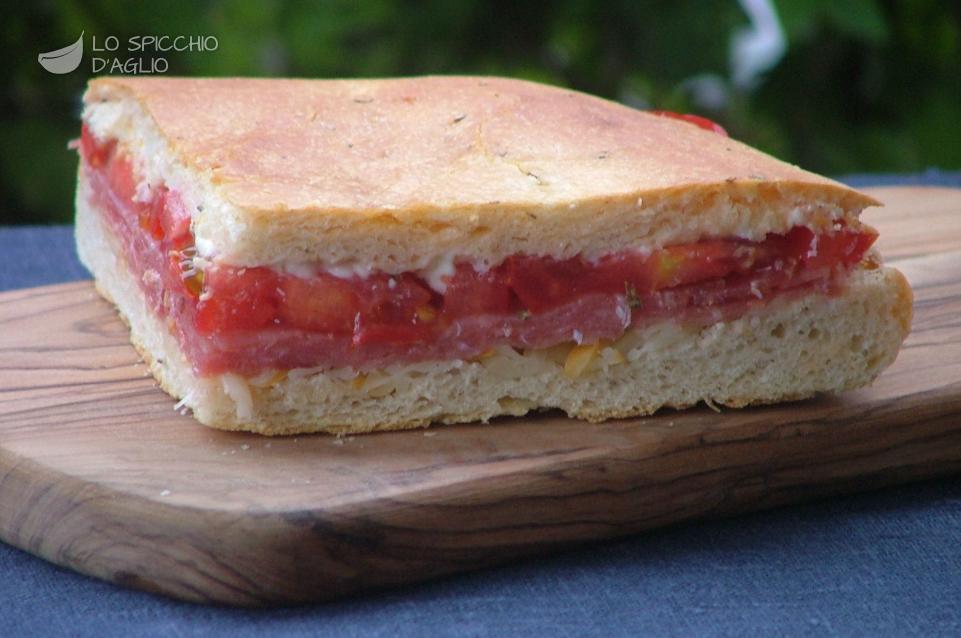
x: 884, y: 563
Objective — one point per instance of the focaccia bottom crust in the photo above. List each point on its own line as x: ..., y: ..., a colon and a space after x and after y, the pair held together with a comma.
x: 789, y: 350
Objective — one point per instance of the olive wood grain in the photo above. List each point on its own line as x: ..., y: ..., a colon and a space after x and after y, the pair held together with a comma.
x: 100, y: 474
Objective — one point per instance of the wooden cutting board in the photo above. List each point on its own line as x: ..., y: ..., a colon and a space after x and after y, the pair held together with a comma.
x: 100, y: 474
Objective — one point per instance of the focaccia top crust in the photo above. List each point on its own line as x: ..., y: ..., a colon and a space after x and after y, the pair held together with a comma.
x: 398, y: 170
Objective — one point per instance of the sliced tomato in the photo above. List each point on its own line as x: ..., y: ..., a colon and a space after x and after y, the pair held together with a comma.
x: 841, y: 247
x: 123, y: 186
x: 696, y: 120
x: 193, y: 284
x: 95, y: 154
x: 798, y: 243
x: 121, y: 179
x: 542, y: 282
x: 396, y: 309
x: 690, y: 263
x: 471, y: 293
x: 616, y: 274
x: 149, y: 217
x: 397, y: 299
x: 863, y: 241
x: 172, y: 214
x: 321, y: 304
x: 237, y: 299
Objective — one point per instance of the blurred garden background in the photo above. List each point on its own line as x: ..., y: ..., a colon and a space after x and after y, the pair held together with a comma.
x: 837, y: 86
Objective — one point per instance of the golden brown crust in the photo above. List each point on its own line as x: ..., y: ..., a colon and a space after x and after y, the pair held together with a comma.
x: 411, y: 146
x: 396, y: 175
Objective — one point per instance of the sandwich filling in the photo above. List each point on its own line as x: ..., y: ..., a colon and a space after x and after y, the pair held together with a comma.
x: 247, y: 320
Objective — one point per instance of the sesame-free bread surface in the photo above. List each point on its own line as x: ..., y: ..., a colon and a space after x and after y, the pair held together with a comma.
x: 390, y: 174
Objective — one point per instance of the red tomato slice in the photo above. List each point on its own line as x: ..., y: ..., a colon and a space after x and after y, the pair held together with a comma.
x: 394, y: 299
x: 150, y: 216
x: 798, y: 243
x: 95, y: 154
x: 397, y: 309
x: 696, y: 120
x: 123, y: 185
x: 541, y: 282
x: 545, y: 283
x: 322, y: 304
x: 237, y: 299
x: 622, y: 273
x: 120, y: 177
x: 843, y: 246
x: 172, y: 214
x: 690, y: 263
x: 471, y: 293
x: 863, y: 241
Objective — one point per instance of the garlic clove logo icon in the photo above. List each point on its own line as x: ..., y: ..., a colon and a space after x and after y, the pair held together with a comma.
x: 63, y: 60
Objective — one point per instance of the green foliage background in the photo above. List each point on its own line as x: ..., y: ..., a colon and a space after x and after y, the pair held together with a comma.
x: 865, y: 85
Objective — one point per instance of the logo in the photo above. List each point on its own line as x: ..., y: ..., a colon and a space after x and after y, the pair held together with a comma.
x: 137, y: 55
x: 63, y: 60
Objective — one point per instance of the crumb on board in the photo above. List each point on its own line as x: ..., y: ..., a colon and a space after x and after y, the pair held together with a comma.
x: 712, y: 405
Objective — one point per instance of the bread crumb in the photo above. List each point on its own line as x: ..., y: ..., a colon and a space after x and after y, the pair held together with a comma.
x: 712, y: 405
